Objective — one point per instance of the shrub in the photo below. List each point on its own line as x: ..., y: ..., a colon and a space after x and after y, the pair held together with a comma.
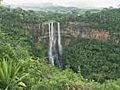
x: 9, y: 79
x: 43, y: 76
x: 108, y: 85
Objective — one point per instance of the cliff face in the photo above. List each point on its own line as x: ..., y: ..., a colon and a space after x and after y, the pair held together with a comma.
x: 83, y: 30
x: 69, y: 31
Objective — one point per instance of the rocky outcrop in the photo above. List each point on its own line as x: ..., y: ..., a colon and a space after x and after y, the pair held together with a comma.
x: 69, y: 31
x: 83, y: 30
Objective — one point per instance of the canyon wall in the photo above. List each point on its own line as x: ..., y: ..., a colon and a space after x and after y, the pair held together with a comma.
x: 69, y: 31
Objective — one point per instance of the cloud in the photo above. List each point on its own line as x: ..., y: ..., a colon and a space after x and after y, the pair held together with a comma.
x: 78, y: 3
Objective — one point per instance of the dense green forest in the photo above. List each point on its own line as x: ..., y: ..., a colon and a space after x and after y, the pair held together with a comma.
x: 90, y: 64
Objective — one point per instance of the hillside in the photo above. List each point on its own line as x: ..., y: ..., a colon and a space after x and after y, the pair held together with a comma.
x: 90, y: 63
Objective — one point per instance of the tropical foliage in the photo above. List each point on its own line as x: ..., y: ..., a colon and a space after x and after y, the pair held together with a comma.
x: 23, y: 64
x: 98, y: 60
x: 9, y: 79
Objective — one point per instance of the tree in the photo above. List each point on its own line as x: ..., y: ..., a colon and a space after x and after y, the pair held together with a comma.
x: 95, y: 58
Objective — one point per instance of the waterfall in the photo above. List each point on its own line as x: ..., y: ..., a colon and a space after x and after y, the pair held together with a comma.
x: 59, y: 40
x: 55, y: 46
x: 51, y: 40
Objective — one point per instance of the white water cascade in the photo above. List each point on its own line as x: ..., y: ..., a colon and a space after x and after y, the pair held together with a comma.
x: 51, y: 40
x: 55, y: 46
x: 59, y: 40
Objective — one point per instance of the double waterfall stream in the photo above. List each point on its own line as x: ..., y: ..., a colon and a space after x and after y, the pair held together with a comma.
x: 55, y: 46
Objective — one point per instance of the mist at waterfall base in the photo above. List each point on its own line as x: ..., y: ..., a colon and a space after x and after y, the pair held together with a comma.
x: 55, y: 46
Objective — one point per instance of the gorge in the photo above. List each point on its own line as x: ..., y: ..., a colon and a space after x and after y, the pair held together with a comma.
x: 51, y: 32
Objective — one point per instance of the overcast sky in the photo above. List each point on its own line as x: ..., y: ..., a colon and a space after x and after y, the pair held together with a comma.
x: 75, y: 3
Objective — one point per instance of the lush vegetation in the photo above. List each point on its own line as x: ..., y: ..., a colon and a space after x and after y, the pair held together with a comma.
x: 98, y: 60
x: 23, y: 63
x: 107, y: 19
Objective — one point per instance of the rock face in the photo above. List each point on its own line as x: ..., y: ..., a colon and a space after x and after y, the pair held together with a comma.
x: 69, y: 31
x: 83, y: 30
x: 101, y: 35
